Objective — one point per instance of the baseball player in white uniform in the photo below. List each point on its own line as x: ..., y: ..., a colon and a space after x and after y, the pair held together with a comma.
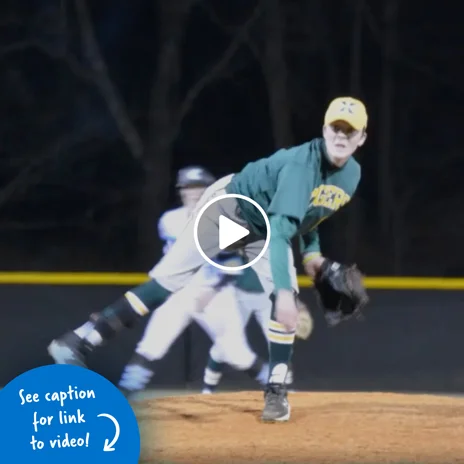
x: 236, y: 297
x: 224, y: 319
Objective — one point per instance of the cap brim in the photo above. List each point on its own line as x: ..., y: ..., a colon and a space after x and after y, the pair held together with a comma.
x: 354, y: 124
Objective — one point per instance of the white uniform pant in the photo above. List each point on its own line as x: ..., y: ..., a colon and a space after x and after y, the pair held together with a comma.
x: 224, y: 319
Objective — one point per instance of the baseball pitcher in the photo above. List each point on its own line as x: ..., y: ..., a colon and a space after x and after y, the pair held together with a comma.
x: 298, y: 188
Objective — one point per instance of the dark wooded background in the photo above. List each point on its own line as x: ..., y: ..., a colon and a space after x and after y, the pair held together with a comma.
x: 103, y: 101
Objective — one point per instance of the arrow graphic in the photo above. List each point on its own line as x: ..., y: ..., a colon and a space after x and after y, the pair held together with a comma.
x: 109, y: 446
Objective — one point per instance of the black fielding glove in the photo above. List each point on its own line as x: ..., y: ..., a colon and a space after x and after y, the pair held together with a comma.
x: 341, y: 292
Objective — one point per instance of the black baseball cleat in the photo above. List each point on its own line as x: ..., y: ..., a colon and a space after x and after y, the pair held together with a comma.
x: 276, y: 407
x: 69, y: 349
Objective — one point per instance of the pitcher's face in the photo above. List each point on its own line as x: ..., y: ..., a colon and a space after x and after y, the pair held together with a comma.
x: 342, y: 141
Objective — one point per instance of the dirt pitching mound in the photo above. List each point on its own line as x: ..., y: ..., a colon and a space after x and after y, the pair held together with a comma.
x: 324, y: 428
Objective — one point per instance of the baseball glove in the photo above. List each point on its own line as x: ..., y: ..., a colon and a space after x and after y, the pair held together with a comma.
x: 341, y: 292
x: 305, y: 324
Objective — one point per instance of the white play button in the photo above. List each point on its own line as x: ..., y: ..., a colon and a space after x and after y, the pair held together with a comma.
x: 230, y: 232
x: 221, y: 233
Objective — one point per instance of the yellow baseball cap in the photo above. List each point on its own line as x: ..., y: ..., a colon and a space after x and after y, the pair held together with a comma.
x: 347, y: 109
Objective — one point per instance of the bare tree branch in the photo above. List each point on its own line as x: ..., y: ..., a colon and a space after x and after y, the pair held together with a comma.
x: 38, y: 45
x: 34, y: 169
x: 31, y: 172
x: 107, y: 88
x: 407, y: 61
x: 247, y: 38
x: 219, y: 66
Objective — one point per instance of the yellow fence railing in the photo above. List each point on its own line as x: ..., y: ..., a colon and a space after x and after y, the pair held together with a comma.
x: 134, y: 278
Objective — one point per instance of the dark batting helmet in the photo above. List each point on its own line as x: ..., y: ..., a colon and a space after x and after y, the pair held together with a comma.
x: 194, y: 176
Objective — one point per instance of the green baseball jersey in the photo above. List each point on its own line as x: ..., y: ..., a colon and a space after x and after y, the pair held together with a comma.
x: 298, y: 188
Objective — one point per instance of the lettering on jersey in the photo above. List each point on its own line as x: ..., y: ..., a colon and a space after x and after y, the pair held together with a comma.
x: 329, y: 196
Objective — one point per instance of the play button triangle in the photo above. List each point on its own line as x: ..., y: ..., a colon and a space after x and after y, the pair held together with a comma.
x: 230, y: 232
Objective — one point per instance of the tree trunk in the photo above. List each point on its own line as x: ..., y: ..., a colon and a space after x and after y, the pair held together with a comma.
x: 168, y: 111
x: 157, y: 161
x: 386, y: 111
x: 108, y: 90
x: 275, y: 74
x: 320, y: 17
x: 403, y: 188
x: 354, y: 219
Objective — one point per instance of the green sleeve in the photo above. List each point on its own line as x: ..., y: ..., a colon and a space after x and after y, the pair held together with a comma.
x: 293, y: 192
x: 282, y: 231
x: 286, y: 212
x: 309, y: 245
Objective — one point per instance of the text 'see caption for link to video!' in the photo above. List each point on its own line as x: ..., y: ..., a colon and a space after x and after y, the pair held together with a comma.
x: 60, y: 413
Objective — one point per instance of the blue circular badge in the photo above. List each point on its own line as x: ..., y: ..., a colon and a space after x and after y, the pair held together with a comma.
x: 66, y: 414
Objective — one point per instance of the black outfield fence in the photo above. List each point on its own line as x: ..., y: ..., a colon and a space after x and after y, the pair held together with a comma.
x: 411, y: 339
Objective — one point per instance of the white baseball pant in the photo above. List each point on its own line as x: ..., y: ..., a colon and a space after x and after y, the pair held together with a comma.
x: 183, y: 267
x: 222, y: 319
